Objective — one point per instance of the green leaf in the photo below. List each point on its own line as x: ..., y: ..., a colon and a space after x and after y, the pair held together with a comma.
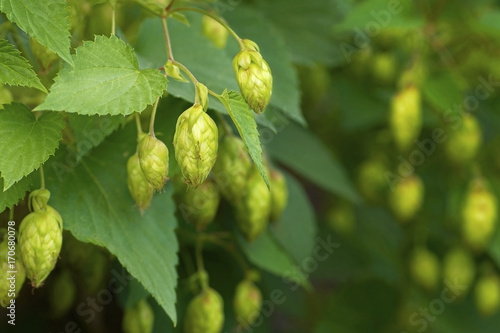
x: 244, y: 120
x: 15, y: 193
x: 96, y: 207
x: 442, y: 92
x: 16, y: 70
x: 305, y: 154
x: 105, y: 79
x: 296, y: 230
x: 265, y: 253
x: 45, y: 20
x: 26, y: 142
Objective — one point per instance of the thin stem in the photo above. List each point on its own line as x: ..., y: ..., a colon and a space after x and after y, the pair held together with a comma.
x: 199, y: 260
x: 42, y: 177
x: 138, y: 125
x: 168, y: 44
x: 213, y: 16
x: 230, y: 248
x: 11, y: 214
x: 153, y: 116
x: 191, y: 77
x: 113, y: 20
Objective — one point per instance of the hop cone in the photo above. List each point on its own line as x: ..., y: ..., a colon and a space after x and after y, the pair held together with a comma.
x: 214, y: 31
x: 232, y: 168
x: 201, y: 204
x: 279, y: 194
x: 62, y: 294
x: 139, y: 318
x: 153, y: 157
x: 195, y: 143
x: 5, y: 284
x: 464, y: 141
x: 459, y: 268
x: 254, y: 207
x: 406, y: 198
x: 247, y: 302
x: 138, y: 185
x: 479, y: 214
x: 424, y: 268
x: 487, y: 294
x: 406, y: 117
x: 253, y: 76
x: 205, y: 313
x: 40, y: 240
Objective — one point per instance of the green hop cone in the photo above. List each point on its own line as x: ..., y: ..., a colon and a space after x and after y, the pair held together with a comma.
x: 153, y: 157
x: 139, y: 318
x: 371, y: 179
x: 406, y: 117
x: 138, y: 185
x: 200, y: 204
x: 232, y: 168
x: 253, y: 209
x: 424, y: 268
x: 195, y: 143
x: 247, y: 303
x: 6, y: 281
x: 279, y: 194
x: 205, y: 313
x: 214, y: 31
x: 253, y: 76
x: 384, y: 67
x: 464, y: 140
x: 487, y: 294
x: 406, y: 198
x: 156, y: 7
x: 62, y: 294
x: 40, y: 240
x: 341, y: 219
x: 459, y: 269
x: 479, y: 215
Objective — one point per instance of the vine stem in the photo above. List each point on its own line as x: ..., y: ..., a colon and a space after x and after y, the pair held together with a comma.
x: 199, y: 260
x: 138, y: 124
x: 213, y: 16
x: 168, y: 43
x: 153, y: 116
x: 11, y: 214
x: 230, y: 248
x: 42, y: 177
x: 113, y: 19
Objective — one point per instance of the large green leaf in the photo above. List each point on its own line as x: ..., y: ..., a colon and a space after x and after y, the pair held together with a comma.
x: 305, y: 154
x: 26, y: 142
x: 244, y: 120
x: 46, y: 20
x: 96, y: 207
x: 105, y: 79
x: 267, y: 254
x: 16, y: 70
x: 443, y: 92
x: 15, y: 193
x: 296, y: 230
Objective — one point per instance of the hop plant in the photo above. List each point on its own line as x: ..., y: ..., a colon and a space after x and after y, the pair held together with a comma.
x: 214, y: 31
x: 406, y: 117
x: 479, y: 214
x: 40, y: 239
x: 464, y: 141
x: 201, y: 204
x: 371, y: 180
x: 138, y: 185
x: 247, y: 302
x: 153, y: 158
x: 459, y: 268
x: 232, y: 168
x: 139, y: 318
x: 406, y: 198
x: 195, y: 143
x: 6, y: 277
x: 254, y: 207
x: 424, y: 268
x: 205, y: 313
x: 279, y: 194
x: 487, y: 294
x: 253, y: 76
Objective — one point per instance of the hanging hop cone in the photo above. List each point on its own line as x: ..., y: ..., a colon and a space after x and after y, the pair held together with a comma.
x: 138, y: 185
x: 406, y: 117
x: 9, y: 280
x: 254, y: 207
x: 62, y: 294
x: 406, y: 198
x: 201, y: 204
x: 40, y: 240
x: 459, y: 268
x: 232, y: 168
x: 247, y: 303
x: 253, y: 76
x: 279, y: 194
x: 205, y: 313
x: 464, y: 141
x: 138, y: 318
x: 195, y: 143
x: 214, y: 31
x: 487, y: 294
x: 424, y: 268
x: 153, y: 157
